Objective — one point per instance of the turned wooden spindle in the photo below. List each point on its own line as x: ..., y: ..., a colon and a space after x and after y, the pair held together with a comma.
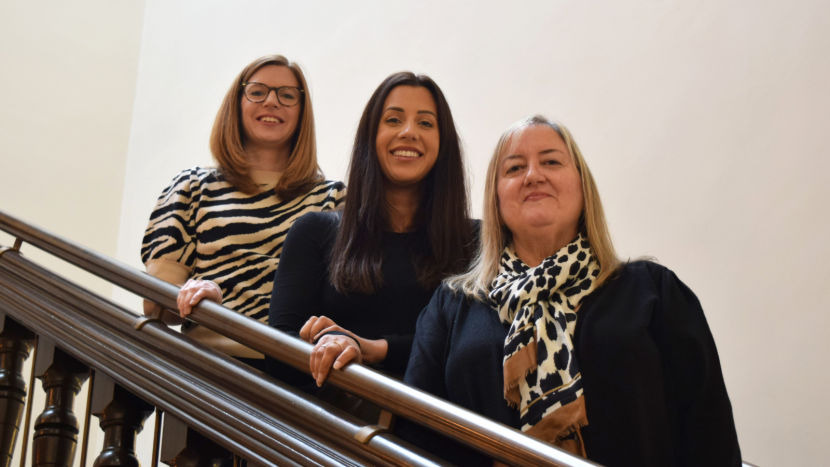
x: 122, y: 417
x: 56, y: 429
x: 184, y: 447
x: 16, y: 344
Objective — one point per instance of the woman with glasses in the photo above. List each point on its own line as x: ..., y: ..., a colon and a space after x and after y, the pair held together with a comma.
x: 218, y: 232
x: 354, y: 282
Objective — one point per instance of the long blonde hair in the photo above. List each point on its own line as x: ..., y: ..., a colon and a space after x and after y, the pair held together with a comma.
x: 494, y: 233
x: 227, y: 138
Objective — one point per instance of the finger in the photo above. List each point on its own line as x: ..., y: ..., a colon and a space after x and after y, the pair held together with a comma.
x: 318, y: 325
x: 197, y: 297
x: 332, y: 352
x: 319, y: 352
x: 351, y: 353
x: 305, y: 331
x: 184, y: 307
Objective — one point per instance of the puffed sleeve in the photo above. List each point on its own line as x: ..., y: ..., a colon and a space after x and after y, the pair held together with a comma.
x: 707, y: 435
x: 168, y: 249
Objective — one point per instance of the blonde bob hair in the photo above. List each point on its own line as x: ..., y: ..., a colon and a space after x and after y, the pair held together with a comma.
x: 227, y: 140
x: 495, y: 235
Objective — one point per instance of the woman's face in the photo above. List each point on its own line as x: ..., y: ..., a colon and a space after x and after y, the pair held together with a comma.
x: 269, y: 124
x: 539, y: 188
x: 408, y: 138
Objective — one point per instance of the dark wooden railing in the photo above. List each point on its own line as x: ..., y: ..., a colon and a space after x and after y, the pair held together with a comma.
x: 210, y: 403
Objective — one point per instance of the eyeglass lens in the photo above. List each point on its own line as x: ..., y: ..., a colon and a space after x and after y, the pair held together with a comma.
x: 287, y: 95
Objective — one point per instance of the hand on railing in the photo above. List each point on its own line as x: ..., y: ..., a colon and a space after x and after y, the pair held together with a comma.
x: 194, y: 291
x: 335, y: 347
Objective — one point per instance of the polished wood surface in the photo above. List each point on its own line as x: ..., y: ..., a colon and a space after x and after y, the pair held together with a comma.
x: 122, y: 416
x: 184, y: 447
x: 16, y: 344
x: 56, y: 428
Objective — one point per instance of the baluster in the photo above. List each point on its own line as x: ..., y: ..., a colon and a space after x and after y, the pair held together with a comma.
x: 16, y: 344
x: 56, y: 429
x: 183, y: 447
x: 122, y: 416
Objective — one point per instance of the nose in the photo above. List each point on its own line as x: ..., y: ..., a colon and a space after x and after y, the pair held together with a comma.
x: 272, y: 101
x: 534, y: 173
x: 408, y: 131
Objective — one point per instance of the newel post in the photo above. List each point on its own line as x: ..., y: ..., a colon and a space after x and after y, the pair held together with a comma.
x: 56, y: 429
x: 16, y: 344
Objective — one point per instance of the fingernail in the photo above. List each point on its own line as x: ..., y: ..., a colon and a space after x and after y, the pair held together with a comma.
x: 337, y: 365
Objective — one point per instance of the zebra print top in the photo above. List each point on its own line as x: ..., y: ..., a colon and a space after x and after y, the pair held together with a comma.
x: 204, y: 228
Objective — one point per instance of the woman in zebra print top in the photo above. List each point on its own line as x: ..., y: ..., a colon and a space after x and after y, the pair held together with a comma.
x: 218, y: 232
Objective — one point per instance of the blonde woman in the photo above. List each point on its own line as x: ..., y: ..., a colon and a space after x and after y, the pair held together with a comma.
x: 218, y: 232
x: 548, y: 332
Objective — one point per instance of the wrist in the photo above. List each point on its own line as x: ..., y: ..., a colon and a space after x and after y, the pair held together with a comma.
x: 374, y: 350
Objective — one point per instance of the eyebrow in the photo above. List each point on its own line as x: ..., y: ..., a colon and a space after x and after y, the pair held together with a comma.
x: 543, y: 151
x: 398, y: 109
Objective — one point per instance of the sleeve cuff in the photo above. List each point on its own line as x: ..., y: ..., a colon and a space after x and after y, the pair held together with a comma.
x: 169, y: 271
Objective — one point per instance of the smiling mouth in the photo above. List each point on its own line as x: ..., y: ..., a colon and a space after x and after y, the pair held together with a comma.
x: 406, y: 153
x: 270, y: 119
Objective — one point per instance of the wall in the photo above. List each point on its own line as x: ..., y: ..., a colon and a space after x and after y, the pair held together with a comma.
x: 702, y: 122
x: 67, y: 84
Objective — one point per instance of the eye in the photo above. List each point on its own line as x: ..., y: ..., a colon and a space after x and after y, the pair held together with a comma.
x: 427, y: 124
x: 513, y: 168
x: 551, y: 162
x: 256, y: 93
x: 393, y: 120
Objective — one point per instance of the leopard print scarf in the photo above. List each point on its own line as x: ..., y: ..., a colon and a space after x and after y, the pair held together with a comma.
x: 541, y: 374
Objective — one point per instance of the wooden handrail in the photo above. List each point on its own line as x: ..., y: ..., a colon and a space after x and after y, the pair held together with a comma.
x: 492, y: 438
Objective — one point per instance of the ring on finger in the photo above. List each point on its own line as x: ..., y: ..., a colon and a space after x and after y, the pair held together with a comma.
x: 341, y: 345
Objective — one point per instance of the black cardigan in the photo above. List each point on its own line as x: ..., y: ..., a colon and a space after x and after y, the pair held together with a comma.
x: 654, y: 392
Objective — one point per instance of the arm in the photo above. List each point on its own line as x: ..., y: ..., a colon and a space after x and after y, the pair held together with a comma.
x: 170, y: 239
x: 298, y: 286
x: 707, y: 428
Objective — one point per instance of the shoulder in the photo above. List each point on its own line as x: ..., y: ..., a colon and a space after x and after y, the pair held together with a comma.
x: 194, y: 178
x: 448, y: 303
x: 330, y: 187
x: 315, y: 223
x: 643, y: 279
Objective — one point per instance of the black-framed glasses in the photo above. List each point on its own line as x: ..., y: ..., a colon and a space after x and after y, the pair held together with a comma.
x: 257, y: 92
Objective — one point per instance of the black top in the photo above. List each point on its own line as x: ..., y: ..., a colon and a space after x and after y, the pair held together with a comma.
x: 654, y: 392
x: 302, y: 289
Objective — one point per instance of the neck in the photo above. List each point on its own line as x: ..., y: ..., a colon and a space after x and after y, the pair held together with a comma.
x: 268, y: 159
x: 533, y: 247
x: 402, y: 204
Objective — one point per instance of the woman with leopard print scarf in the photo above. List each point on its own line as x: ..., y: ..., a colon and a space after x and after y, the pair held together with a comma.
x: 550, y: 333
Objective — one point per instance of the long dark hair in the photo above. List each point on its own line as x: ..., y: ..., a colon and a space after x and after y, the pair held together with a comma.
x: 443, y: 218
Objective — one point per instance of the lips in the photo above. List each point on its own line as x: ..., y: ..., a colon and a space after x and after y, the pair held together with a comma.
x: 537, y: 195
x: 270, y: 119
x: 406, y: 152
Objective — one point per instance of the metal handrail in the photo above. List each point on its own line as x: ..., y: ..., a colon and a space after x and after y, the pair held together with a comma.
x: 218, y: 395
x: 494, y: 439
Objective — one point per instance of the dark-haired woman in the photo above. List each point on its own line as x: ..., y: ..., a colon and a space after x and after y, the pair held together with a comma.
x: 218, y: 232
x: 355, y: 282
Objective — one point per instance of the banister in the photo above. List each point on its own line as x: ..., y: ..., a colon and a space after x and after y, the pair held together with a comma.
x: 494, y: 439
x: 34, y: 289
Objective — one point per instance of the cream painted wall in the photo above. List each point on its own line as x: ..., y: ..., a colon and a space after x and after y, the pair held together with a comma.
x: 67, y: 83
x: 702, y: 121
